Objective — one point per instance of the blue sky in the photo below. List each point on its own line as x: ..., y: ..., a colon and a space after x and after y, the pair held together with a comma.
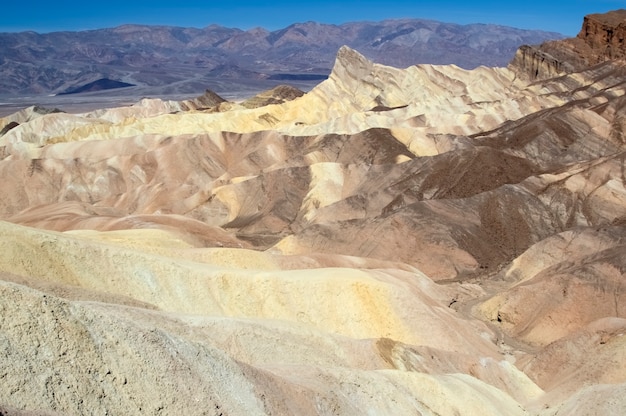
x: 564, y: 16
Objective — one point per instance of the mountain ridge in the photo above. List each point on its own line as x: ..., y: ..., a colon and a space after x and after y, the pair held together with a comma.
x: 163, y: 55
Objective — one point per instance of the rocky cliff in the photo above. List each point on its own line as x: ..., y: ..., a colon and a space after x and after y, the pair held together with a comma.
x: 536, y: 63
x: 605, y: 34
x: 600, y: 39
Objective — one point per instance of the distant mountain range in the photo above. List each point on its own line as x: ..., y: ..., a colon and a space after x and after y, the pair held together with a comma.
x: 188, y: 60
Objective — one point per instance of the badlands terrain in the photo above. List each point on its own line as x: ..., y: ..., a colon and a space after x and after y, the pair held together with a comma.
x: 421, y: 241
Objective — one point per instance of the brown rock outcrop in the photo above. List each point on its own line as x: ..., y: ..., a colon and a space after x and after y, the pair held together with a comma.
x: 600, y: 39
x: 605, y: 34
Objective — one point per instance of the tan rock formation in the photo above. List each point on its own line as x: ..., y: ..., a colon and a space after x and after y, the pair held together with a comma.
x: 537, y: 63
x: 277, y: 95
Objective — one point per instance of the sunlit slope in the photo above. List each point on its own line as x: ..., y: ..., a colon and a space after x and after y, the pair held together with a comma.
x: 237, y: 326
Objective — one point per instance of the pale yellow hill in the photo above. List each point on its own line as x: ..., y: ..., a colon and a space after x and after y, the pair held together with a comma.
x: 145, y: 310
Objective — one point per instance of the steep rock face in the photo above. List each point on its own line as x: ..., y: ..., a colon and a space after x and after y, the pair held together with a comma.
x: 601, y: 38
x: 536, y: 63
x: 605, y: 34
